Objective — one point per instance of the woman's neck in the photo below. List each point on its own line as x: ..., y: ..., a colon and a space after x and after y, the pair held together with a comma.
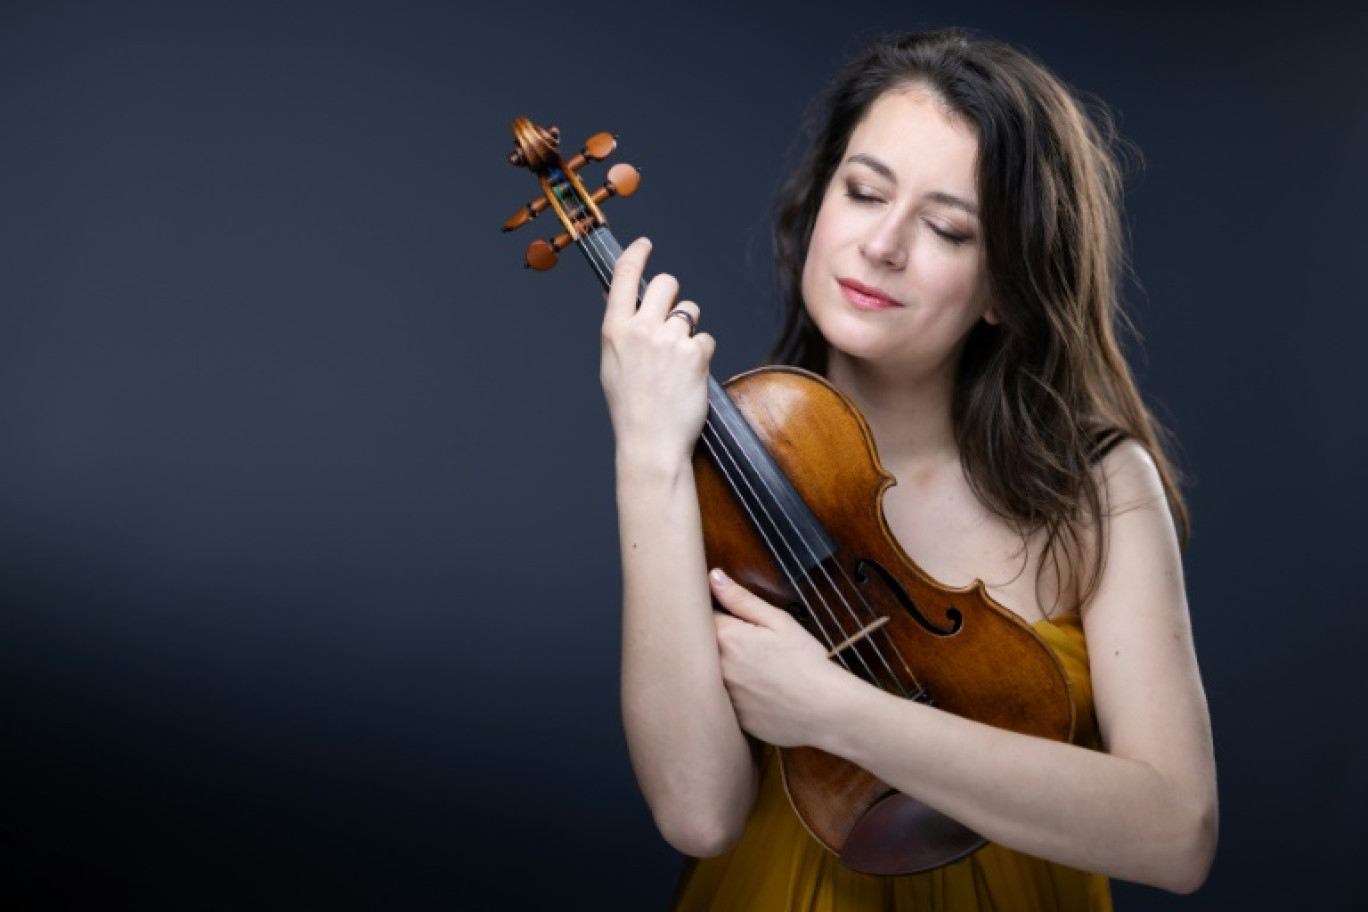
x: 909, y: 414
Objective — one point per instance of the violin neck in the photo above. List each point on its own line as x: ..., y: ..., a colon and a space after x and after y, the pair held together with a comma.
x: 798, y: 541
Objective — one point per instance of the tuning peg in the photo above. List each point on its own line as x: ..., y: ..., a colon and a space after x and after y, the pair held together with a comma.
x: 623, y: 180
x: 541, y: 255
x: 527, y: 214
x: 596, y: 148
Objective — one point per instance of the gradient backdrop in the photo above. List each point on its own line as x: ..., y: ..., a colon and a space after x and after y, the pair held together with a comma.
x: 308, y: 580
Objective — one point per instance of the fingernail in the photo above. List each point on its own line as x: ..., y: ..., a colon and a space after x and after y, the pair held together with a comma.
x: 717, y: 576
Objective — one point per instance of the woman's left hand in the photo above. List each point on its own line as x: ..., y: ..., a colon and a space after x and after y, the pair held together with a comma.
x: 778, y: 675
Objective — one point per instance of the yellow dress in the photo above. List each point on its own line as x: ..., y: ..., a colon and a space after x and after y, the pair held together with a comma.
x: 778, y: 867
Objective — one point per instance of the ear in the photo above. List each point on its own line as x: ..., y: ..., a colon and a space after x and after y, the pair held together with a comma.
x: 990, y: 315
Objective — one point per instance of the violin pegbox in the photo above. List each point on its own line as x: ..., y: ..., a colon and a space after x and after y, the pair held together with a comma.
x: 537, y: 149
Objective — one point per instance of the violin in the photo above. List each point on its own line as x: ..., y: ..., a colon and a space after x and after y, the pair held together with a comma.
x: 790, y: 487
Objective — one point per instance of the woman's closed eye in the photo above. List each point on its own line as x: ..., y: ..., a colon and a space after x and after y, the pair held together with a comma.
x: 860, y: 194
x: 949, y: 235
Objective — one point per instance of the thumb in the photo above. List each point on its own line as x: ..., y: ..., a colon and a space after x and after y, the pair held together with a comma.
x: 741, y: 602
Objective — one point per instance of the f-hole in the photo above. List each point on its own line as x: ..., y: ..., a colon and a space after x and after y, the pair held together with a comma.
x: 952, y: 614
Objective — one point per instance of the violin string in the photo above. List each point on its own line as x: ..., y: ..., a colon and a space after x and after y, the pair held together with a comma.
x: 773, y: 550
x: 602, y: 257
x: 854, y: 587
x: 837, y: 589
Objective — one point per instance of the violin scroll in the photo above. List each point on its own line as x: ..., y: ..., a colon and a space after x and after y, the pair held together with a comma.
x: 537, y: 149
x: 534, y: 147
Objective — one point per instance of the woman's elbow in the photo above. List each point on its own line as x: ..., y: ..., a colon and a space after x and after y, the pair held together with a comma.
x: 699, y: 835
x: 1191, y: 852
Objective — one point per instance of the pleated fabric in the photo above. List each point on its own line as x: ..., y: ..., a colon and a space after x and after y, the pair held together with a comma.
x: 778, y: 867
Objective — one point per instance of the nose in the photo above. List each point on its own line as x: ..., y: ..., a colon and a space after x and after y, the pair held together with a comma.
x: 883, y: 244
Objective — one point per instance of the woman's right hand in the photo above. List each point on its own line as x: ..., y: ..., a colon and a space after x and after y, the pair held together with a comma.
x: 654, y: 369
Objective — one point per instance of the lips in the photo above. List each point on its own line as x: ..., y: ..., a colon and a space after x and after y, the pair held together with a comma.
x: 865, y: 297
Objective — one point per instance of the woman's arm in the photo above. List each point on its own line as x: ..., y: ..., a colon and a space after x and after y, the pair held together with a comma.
x: 1145, y: 810
x: 692, y: 761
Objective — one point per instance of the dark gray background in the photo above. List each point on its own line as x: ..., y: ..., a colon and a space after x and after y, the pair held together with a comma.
x: 308, y: 582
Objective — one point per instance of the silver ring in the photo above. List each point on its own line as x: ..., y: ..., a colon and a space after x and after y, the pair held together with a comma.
x: 688, y: 318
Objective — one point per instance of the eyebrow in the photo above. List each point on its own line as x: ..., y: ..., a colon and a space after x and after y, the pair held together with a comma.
x: 938, y: 196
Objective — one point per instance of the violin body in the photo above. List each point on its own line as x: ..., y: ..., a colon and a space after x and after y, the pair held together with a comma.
x: 790, y: 488
x: 993, y: 668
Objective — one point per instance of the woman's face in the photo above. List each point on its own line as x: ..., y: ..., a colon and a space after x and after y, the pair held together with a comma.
x: 895, y: 273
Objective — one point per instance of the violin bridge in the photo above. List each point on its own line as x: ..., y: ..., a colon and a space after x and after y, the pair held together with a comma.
x: 856, y: 637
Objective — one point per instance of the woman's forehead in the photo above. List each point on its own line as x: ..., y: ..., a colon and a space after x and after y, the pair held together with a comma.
x: 910, y: 131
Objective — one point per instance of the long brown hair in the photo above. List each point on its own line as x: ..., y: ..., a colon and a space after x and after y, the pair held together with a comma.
x: 1041, y: 394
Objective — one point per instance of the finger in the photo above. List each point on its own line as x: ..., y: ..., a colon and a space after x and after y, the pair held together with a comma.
x: 741, y: 602
x: 686, y: 313
x: 622, y: 294
x: 659, y: 298
x: 707, y: 343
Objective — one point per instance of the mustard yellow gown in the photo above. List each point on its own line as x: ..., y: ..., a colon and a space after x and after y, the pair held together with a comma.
x: 778, y: 867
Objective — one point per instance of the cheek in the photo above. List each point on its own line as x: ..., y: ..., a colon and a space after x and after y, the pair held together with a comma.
x: 958, y: 283
x: 810, y: 271
x: 814, y: 268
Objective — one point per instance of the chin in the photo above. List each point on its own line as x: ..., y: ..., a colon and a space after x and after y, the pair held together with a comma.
x: 856, y: 339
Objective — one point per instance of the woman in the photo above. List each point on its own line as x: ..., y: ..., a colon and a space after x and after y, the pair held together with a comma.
x: 950, y: 250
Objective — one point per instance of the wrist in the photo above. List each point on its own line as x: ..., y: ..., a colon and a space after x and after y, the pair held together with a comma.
x: 651, y: 462
x: 845, y: 710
